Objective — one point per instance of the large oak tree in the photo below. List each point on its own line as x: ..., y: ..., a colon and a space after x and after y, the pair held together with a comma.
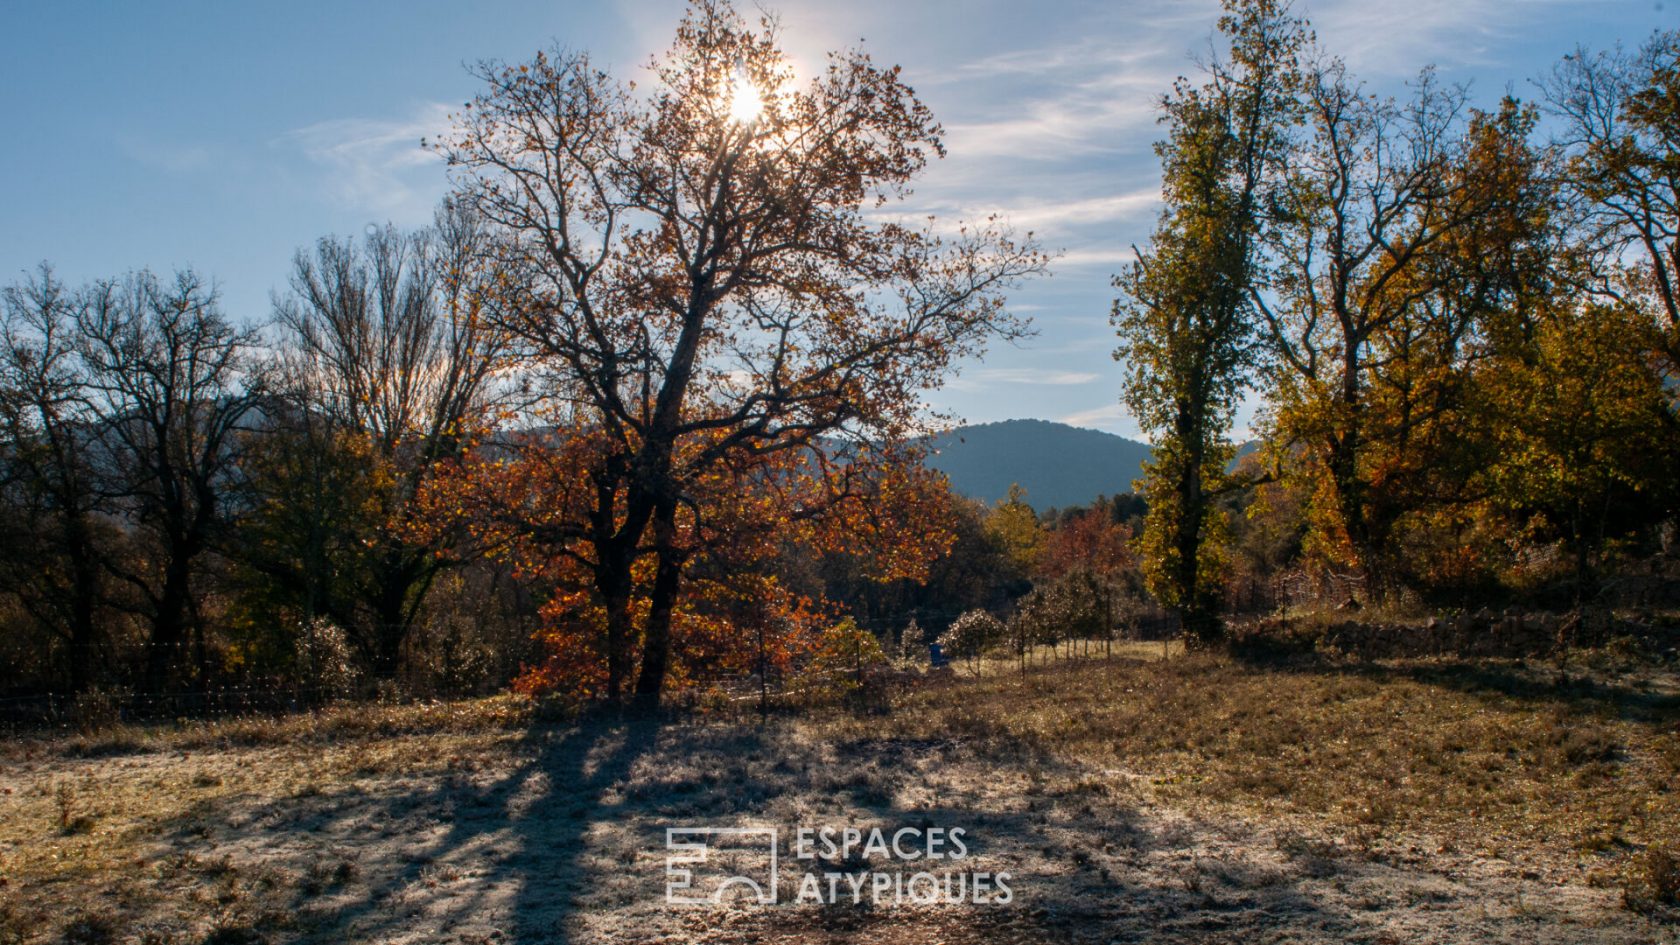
x: 707, y: 269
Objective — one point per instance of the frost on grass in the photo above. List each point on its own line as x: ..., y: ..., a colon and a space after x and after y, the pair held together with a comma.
x: 1133, y: 802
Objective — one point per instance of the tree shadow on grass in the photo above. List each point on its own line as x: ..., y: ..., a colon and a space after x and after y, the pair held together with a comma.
x: 456, y: 858
x: 564, y: 843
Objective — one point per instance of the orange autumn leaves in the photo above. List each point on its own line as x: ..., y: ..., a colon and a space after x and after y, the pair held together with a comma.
x: 721, y: 329
x: 528, y: 500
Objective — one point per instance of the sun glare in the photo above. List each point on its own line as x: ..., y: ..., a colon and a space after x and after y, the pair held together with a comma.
x: 745, y: 105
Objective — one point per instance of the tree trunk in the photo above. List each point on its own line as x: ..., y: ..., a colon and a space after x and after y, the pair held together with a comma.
x: 617, y: 604
x: 169, y: 626
x: 667, y: 579
x: 1197, y: 617
x: 1344, y: 464
x: 390, y: 629
x: 84, y: 599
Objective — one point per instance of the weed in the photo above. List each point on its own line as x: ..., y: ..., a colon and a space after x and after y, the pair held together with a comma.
x: 90, y: 929
x: 14, y: 928
x: 97, y: 710
x: 234, y: 934
x: 323, y: 876
x: 1652, y: 880
x: 64, y: 798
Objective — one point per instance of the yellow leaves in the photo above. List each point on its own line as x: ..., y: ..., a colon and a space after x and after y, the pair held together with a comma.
x: 1015, y: 526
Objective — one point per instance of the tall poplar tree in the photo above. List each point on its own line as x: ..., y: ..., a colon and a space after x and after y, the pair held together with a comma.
x: 1184, y: 316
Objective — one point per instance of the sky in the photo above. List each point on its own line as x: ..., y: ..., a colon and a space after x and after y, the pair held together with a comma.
x: 224, y: 136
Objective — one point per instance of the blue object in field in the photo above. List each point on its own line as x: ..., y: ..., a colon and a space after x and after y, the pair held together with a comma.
x: 936, y: 656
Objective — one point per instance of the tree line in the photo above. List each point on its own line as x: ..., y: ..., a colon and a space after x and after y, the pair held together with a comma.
x: 188, y: 496
x: 1461, y: 320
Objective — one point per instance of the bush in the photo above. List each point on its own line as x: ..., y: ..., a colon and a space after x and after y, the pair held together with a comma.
x: 98, y: 710
x: 844, y: 659
x: 912, y: 647
x: 91, y: 929
x: 325, y: 660
x: 972, y: 634
x: 1652, y: 880
x: 1273, y: 638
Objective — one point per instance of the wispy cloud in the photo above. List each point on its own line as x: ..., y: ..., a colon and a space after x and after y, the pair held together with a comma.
x: 377, y: 164
x: 1110, y: 417
x: 1399, y: 38
x: 1395, y: 40
x: 1080, y: 56
x: 983, y: 379
x: 1055, y: 129
x: 1044, y: 376
x: 1066, y: 101
x: 1135, y: 204
x: 1106, y: 258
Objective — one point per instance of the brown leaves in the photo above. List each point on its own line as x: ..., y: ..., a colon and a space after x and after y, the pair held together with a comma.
x: 729, y: 342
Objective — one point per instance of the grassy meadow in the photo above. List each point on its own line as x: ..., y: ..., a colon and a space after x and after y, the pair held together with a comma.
x: 1147, y: 796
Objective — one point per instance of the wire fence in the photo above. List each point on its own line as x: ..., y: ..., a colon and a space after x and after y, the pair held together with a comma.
x: 105, y: 704
x: 99, y: 708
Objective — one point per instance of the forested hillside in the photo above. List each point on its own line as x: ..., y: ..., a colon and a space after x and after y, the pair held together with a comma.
x: 1059, y: 466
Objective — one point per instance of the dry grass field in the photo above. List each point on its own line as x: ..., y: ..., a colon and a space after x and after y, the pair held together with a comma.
x: 1192, y: 799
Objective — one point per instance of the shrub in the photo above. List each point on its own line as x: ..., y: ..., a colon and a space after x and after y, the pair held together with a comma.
x: 1652, y: 880
x: 325, y: 659
x: 98, y: 710
x: 972, y: 634
x: 845, y: 656
x: 91, y: 929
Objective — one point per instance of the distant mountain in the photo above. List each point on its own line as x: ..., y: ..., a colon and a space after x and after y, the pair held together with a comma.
x: 1058, y: 465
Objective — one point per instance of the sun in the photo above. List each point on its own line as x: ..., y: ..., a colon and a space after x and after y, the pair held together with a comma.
x: 745, y: 104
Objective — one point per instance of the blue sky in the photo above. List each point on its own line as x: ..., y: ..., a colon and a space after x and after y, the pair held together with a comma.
x: 223, y: 136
